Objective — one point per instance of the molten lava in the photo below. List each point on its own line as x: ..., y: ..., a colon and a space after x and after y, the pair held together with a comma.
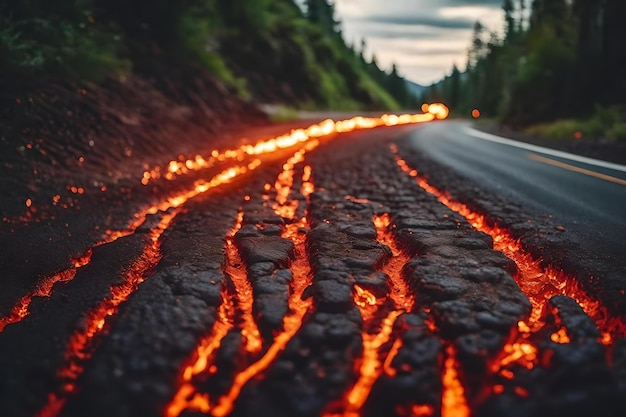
x: 44, y: 289
x: 292, y: 322
x: 236, y: 270
x: 401, y: 295
x: 82, y: 343
x: 186, y: 398
x: 301, y: 271
x: 538, y: 284
x: 182, y: 166
x: 373, y: 362
x: 453, y: 402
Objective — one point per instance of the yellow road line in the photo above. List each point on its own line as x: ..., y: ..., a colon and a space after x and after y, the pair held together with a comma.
x: 576, y: 169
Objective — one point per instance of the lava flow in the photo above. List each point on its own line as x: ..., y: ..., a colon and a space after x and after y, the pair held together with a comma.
x: 301, y: 271
x: 236, y: 270
x: 373, y: 361
x: 44, y: 289
x: 182, y: 166
x: 187, y: 398
x: 292, y: 322
x: 453, y: 402
x: 538, y: 284
x: 82, y: 343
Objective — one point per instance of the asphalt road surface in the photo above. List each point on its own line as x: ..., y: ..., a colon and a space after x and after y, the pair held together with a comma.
x: 587, y: 196
x: 326, y: 279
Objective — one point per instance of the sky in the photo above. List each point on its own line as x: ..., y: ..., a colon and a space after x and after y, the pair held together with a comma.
x: 424, y: 38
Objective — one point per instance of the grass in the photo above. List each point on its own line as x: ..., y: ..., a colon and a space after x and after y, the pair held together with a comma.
x: 606, y: 123
x: 284, y: 114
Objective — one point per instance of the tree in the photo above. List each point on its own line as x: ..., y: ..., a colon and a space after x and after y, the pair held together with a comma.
x: 322, y: 13
x: 509, y: 20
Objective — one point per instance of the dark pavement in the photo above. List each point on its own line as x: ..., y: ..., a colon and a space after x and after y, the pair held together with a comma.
x: 588, y: 197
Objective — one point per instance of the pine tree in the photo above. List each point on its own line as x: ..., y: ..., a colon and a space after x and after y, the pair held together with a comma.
x: 322, y: 13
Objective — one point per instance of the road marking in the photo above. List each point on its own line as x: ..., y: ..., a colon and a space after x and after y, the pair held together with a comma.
x: 576, y: 169
x: 534, y: 148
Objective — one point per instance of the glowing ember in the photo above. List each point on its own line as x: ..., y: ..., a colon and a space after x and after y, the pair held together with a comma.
x: 81, y: 345
x: 560, y: 336
x: 453, y: 403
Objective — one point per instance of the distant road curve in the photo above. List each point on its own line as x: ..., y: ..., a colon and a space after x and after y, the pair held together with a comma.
x: 587, y: 196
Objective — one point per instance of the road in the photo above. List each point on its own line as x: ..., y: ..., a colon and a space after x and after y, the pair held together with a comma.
x: 323, y: 279
x: 588, y: 197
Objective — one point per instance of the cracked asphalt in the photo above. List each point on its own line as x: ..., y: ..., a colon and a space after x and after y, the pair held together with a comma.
x: 326, y: 280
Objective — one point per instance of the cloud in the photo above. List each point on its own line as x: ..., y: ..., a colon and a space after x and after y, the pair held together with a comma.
x: 424, y: 38
x: 432, y: 21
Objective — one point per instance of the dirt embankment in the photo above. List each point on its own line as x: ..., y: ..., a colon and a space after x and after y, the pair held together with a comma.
x: 96, y: 137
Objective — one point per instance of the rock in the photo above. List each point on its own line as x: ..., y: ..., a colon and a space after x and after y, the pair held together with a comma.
x: 333, y: 297
x: 270, y: 311
x: 267, y: 249
x: 375, y: 282
x: 260, y: 269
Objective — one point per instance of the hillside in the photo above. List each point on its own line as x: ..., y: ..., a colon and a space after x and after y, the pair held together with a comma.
x: 264, y: 50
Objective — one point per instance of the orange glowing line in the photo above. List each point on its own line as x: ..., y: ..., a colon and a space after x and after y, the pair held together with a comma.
x: 401, y: 294
x: 182, y: 166
x: 453, y: 402
x: 235, y: 268
x: 389, y: 370
x: 291, y: 323
x: 538, y: 284
x: 186, y: 396
x: 80, y: 346
x: 44, y: 289
x: 371, y: 365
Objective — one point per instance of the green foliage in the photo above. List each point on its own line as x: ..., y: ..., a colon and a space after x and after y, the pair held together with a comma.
x: 552, y: 64
x: 60, y: 49
x: 284, y: 114
x: 266, y: 49
x: 198, y: 29
x: 606, y: 123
